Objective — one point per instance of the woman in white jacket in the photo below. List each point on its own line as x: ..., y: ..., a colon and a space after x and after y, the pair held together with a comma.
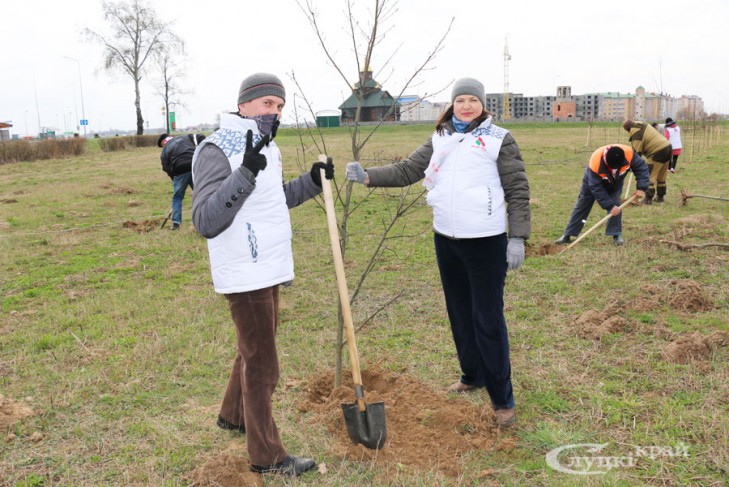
x: 476, y: 183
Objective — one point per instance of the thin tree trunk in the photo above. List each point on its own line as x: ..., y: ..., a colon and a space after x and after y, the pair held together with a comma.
x: 138, y: 105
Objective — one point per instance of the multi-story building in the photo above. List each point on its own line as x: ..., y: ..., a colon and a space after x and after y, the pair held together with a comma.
x: 415, y: 109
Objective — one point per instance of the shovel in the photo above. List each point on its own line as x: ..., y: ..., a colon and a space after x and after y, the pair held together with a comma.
x: 365, y: 422
x: 168, y: 217
x: 597, y: 225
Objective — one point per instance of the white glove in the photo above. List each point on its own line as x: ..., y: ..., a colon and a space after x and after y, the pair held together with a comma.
x: 515, y: 253
x: 356, y: 173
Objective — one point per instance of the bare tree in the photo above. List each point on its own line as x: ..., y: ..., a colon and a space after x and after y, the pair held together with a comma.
x: 365, y: 35
x: 136, y: 35
x: 169, y: 86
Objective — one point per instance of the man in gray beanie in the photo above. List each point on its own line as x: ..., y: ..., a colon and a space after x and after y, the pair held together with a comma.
x: 242, y: 208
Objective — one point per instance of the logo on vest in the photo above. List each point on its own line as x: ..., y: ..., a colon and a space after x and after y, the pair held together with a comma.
x: 479, y: 144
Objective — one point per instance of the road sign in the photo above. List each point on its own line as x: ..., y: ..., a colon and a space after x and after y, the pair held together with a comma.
x: 84, y: 121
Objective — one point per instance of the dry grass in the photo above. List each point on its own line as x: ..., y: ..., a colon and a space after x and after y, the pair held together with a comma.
x: 116, y: 341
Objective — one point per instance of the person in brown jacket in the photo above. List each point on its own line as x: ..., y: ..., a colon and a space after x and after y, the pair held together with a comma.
x: 656, y: 151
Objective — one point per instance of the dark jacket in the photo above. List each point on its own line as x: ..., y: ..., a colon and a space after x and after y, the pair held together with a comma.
x: 600, y: 182
x: 177, y: 154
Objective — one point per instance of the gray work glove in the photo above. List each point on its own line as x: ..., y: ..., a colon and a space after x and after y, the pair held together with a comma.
x: 515, y: 253
x: 356, y: 173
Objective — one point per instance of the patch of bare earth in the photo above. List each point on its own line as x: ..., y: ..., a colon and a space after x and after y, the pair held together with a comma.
x: 427, y: 430
x: 594, y: 325
x: 143, y: 226
x: 229, y: 468
x: 11, y: 412
x: 547, y: 249
x: 689, y: 296
x: 683, y: 295
x: 695, y: 347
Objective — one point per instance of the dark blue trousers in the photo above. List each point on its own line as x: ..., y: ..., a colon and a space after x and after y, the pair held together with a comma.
x: 582, y: 208
x: 473, y: 273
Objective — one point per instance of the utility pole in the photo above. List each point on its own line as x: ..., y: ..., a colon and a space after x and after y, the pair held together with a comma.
x: 507, y: 103
x: 81, y: 86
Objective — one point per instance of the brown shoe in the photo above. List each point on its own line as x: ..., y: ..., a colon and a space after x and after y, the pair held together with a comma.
x: 505, y: 417
x: 460, y: 387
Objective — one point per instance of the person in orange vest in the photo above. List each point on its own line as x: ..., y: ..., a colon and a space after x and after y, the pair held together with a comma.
x: 603, y: 182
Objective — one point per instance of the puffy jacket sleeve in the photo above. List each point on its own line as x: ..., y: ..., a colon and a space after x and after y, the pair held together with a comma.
x: 403, y: 173
x: 300, y: 189
x: 640, y: 169
x: 219, y: 192
x: 516, y: 188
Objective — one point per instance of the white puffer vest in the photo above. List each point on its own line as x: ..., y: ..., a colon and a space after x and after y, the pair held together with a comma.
x: 466, y: 193
x: 255, y: 251
x: 674, y: 136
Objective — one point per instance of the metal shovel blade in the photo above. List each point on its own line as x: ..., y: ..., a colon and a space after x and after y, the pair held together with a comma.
x: 367, y: 427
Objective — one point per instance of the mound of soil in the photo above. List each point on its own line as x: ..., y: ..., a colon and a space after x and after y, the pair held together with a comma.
x: 547, y: 249
x: 143, y: 226
x: 689, y: 296
x: 594, y: 325
x: 426, y: 429
x: 695, y: 347
x: 680, y: 294
x: 11, y: 412
x: 227, y: 469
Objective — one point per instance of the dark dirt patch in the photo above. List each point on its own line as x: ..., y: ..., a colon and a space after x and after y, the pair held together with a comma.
x: 143, y: 226
x: 426, y: 429
x: 8, y: 200
x: 695, y: 347
x: 123, y: 190
x: 11, y: 412
x: 547, y: 249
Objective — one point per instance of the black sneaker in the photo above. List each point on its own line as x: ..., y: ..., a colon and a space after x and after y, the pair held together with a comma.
x: 564, y: 239
x: 175, y: 226
x: 618, y: 240
x: 291, y: 466
x: 227, y: 425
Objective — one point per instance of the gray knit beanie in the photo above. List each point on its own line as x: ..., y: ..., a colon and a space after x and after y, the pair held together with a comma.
x: 468, y: 86
x: 258, y: 85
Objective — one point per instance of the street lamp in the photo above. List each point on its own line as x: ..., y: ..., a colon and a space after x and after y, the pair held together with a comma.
x: 83, y: 111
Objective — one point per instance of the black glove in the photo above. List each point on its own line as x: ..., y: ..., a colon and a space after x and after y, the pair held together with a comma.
x: 253, y: 160
x: 274, y: 128
x: 328, y: 171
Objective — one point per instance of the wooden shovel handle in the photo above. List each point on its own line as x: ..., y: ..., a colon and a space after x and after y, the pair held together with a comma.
x: 341, y: 278
x: 597, y: 225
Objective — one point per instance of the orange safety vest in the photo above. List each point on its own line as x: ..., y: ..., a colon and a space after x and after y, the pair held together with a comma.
x: 600, y: 169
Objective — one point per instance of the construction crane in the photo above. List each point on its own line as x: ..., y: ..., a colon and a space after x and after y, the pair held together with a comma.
x: 506, y: 114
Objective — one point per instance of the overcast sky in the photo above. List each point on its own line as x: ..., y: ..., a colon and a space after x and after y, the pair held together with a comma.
x: 673, y: 46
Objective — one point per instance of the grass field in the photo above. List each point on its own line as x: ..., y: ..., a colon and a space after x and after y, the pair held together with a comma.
x: 115, y: 350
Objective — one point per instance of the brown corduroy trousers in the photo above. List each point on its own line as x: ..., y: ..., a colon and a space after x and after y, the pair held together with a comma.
x: 255, y: 373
